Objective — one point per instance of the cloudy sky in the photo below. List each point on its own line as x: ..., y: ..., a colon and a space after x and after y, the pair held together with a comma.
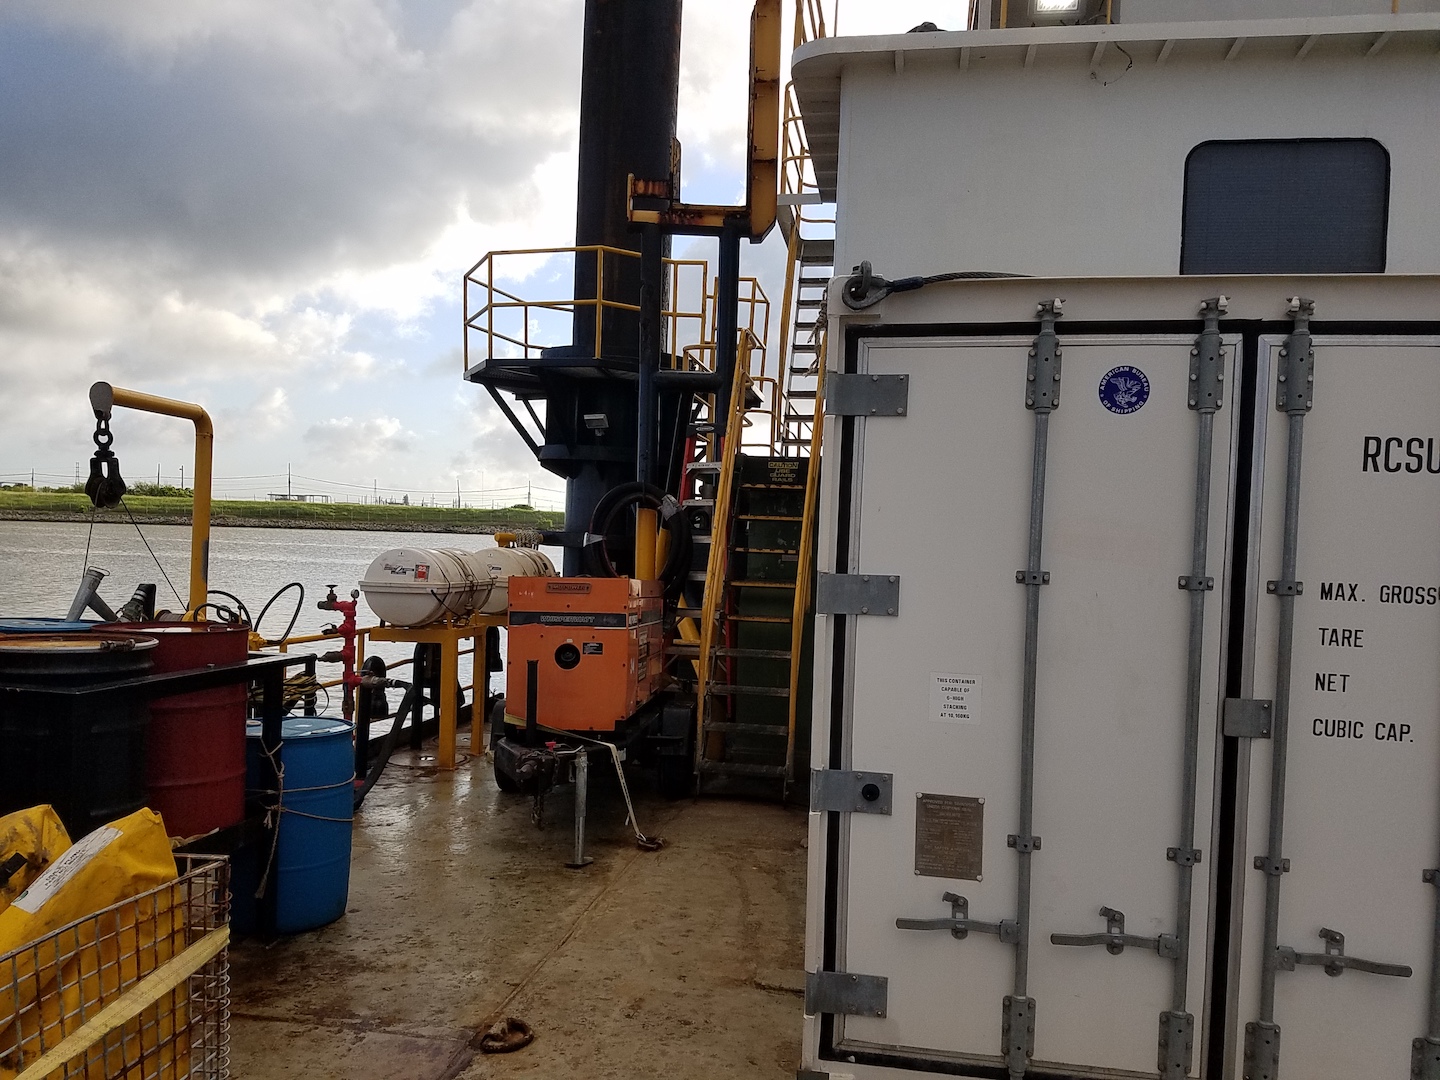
x: 267, y: 206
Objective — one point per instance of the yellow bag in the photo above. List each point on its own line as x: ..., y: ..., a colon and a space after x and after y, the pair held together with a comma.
x: 37, y: 838
x: 44, y: 988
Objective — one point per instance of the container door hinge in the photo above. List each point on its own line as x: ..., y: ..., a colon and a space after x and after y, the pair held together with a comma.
x: 848, y: 791
x: 1177, y: 1045
x: 1334, y: 960
x: 1248, y: 718
x: 960, y: 924
x: 857, y: 594
x: 1115, y: 938
x: 1017, y: 1033
x: 1042, y: 377
x: 1425, y: 1059
x: 1262, y: 1051
x: 1207, y: 368
x: 849, y: 394
x: 845, y: 993
x: 1295, y: 379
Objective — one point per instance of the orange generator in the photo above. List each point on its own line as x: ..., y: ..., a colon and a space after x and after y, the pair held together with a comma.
x: 597, y: 646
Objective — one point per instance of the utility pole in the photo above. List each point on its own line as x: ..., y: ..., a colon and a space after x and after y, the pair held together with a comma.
x: 157, y: 476
x: 182, y: 477
x: 288, y: 492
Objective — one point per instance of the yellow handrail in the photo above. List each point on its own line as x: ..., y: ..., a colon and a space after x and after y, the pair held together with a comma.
x: 715, y: 567
x: 680, y: 316
x: 804, y: 568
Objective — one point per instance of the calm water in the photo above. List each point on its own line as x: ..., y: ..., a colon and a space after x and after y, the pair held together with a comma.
x: 43, y: 562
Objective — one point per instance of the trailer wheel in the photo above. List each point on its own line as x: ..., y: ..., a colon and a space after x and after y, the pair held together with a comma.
x: 503, y: 780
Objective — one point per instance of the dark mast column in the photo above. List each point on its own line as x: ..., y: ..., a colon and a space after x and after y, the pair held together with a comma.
x: 628, y: 101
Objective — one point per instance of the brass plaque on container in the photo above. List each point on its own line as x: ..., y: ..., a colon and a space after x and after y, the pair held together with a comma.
x: 949, y: 836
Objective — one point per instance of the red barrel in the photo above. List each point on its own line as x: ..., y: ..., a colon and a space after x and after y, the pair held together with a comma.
x: 195, y: 776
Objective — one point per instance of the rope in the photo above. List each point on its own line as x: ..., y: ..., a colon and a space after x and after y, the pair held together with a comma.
x: 648, y: 843
x: 85, y: 565
x: 147, y: 548
x: 279, y: 792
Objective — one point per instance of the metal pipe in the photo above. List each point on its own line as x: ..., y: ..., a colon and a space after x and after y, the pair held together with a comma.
x: 103, y: 399
x: 727, y: 324
x: 1042, y: 396
x: 1194, y: 674
x: 532, y: 695
x: 1293, y: 396
x: 1280, y: 724
x: 652, y: 271
x: 1027, y: 704
x: 86, y: 593
x: 582, y: 796
x: 1206, y: 398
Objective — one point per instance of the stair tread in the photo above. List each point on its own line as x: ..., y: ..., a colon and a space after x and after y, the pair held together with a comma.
x: 750, y: 584
x: 702, y: 466
x: 767, y: 551
x: 748, y: 688
x: 777, y: 620
x: 753, y: 654
x: 726, y: 727
x: 740, y: 768
x: 769, y: 517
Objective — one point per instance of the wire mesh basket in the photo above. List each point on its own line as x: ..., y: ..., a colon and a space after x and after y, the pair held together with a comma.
x: 138, y: 991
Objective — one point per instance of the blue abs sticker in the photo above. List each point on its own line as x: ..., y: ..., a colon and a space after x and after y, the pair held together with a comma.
x: 1124, y: 389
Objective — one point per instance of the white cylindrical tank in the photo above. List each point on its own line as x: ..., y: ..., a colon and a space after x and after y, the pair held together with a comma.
x: 418, y: 586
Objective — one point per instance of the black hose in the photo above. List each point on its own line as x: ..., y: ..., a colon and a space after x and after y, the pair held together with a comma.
x: 239, y: 604
x: 387, y: 745
x: 293, y: 618
x: 228, y: 616
x: 865, y: 288
x: 619, y: 498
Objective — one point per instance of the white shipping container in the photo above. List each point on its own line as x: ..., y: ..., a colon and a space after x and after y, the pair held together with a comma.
x: 932, y: 480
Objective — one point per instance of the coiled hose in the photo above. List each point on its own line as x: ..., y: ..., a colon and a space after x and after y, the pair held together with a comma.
x: 622, y: 497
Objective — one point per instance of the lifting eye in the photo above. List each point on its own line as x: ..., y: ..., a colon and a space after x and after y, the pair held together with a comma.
x: 567, y: 656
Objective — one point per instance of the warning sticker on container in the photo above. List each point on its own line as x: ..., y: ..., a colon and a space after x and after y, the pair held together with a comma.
x: 954, y: 699
x: 58, y: 873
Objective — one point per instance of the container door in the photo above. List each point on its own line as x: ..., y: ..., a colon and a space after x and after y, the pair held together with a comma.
x: 935, y: 695
x: 1354, y: 904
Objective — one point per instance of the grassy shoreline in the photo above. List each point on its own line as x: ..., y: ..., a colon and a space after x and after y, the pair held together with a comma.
x: 163, y: 510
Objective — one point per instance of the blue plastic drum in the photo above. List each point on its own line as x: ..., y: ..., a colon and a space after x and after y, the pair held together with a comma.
x: 312, y: 863
x: 49, y: 626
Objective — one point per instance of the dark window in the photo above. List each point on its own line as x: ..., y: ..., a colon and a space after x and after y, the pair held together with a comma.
x: 1308, y: 206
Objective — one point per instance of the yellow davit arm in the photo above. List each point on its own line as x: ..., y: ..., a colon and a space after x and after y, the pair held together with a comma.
x: 104, y: 398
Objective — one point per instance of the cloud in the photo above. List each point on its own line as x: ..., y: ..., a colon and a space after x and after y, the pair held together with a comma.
x: 345, y: 438
x: 273, y: 139
x: 266, y: 206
